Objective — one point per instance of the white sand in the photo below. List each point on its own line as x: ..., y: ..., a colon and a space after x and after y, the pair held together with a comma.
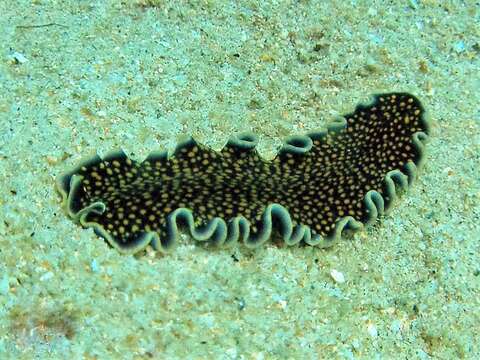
x: 100, y: 76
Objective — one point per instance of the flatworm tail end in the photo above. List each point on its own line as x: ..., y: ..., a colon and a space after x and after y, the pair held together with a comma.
x: 319, y: 186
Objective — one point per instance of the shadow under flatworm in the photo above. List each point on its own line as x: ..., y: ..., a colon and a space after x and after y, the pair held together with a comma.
x: 319, y: 184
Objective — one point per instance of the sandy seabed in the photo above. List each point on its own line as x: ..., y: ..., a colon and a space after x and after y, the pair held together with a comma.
x: 78, y: 77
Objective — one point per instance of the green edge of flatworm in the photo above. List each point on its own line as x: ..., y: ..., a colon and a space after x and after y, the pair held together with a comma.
x: 126, y: 187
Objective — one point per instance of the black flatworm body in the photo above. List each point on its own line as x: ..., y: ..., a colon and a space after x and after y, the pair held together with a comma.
x: 318, y: 185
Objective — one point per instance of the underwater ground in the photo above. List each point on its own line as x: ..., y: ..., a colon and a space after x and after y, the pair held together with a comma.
x: 83, y: 76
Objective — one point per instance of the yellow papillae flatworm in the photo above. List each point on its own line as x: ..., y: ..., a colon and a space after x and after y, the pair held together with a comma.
x: 319, y: 184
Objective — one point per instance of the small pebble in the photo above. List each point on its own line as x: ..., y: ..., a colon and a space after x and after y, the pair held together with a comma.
x: 4, y: 285
x: 396, y: 326
x: 46, y: 276
x: 459, y: 47
x: 232, y: 353
x: 337, y: 276
x: 372, y: 330
x: 94, y: 266
x: 17, y: 58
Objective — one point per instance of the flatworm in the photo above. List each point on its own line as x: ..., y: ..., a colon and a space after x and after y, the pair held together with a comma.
x: 317, y: 187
